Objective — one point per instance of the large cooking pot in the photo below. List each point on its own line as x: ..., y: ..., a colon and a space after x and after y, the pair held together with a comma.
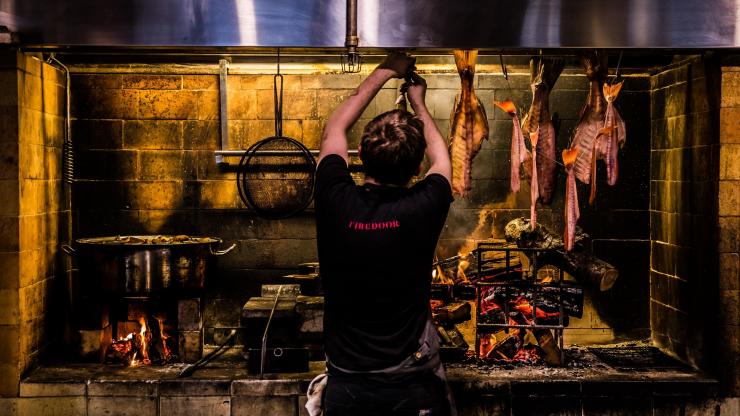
x: 144, y: 264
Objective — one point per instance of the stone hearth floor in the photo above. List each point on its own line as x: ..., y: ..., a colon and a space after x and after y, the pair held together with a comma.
x: 587, y: 385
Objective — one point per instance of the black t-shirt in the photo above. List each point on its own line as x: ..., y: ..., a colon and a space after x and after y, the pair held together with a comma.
x: 376, y: 246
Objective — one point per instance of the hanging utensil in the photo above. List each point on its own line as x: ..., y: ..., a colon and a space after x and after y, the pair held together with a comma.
x: 276, y: 174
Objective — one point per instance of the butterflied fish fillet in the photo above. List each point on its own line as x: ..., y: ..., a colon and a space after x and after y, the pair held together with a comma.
x: 544, y: 73
x: 519, y: 152
x: 601, y: 129
x: 534, y: 189
x: 468, y: 124
x: 572, y: 211
x: 616, y: 136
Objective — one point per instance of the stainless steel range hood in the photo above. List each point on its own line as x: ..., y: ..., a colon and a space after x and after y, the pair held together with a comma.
x: 483, y: 24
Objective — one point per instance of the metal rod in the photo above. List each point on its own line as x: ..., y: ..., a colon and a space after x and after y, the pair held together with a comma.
x: 190, y: 368
x: 532, y: 326
x: 240, y: 153
x: 223, y: 67
x: 263, y: 353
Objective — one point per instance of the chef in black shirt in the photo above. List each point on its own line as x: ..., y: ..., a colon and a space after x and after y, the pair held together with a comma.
x: 376, y: 244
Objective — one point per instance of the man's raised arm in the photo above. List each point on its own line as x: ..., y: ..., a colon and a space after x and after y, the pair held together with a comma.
x: 334, y: 139
x: 437, y: 153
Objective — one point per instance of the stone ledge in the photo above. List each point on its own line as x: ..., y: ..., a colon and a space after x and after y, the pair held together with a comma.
x: 228, y: 377
x: 225, y: 388
x: 60, y: 389
x: 128, y: 388
x: 265, y: 388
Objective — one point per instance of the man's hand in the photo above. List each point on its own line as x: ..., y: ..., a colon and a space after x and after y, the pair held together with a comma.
x: 416, y: 90
x: 398, y: 63
x: 334, y: 139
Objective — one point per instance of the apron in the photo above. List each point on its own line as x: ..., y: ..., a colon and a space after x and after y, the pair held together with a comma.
x: 425, y: 358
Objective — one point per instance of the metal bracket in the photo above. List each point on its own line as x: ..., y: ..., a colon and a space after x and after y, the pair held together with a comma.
x: 223, y: 89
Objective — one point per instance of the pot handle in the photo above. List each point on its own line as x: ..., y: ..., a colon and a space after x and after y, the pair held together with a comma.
x: 68, y: 249
x: 221, y: 252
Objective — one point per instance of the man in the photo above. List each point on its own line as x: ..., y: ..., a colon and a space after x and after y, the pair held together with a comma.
x: 376, y: 244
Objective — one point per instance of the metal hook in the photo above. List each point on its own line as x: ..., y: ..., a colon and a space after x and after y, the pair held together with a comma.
x: 618, y: 70
x: 503, y: 67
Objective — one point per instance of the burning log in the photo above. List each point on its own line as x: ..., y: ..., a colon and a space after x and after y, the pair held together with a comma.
x: 579, y: 263
x: 501, y: 345
x: 455, y: 313
x: 549, y: 298
x: 445, y: 317
x: 549, y: 347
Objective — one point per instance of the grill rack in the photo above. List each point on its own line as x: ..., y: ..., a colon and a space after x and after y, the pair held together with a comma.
x: 529, y: 282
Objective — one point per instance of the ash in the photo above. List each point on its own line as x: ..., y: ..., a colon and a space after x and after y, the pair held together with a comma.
x: 580, y: 362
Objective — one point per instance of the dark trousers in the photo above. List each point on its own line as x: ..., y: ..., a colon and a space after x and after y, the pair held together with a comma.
x: 358, y: 396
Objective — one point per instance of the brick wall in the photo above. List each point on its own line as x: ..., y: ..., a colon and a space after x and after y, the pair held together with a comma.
x: 683, y: 186
x: 31, y: 211
x: 729, y: 227
x: 145, y: 139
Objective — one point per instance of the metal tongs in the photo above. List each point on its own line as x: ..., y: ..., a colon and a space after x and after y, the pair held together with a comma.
x: 263, y: 351
x: 190, y: 368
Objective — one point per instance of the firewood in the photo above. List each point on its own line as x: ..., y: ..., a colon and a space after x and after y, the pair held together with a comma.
x: 549, y: 347
x: 579, y: 263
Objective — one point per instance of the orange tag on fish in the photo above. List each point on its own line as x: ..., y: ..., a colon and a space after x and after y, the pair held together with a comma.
x: 569, y: 156
x: 612, y: 91
x: 508, y: 106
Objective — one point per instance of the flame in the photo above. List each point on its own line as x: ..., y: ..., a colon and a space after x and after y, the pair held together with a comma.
x: 134, y: 348
x: 165, y: 337
x: 144, y: 334
x: 439, y: 277
x: 462, y: 265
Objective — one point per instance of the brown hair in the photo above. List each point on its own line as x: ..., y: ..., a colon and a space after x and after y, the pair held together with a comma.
x: 392, y: 147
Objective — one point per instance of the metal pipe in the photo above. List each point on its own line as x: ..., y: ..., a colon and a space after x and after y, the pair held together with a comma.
x: 351, y: 40
x: 223, y: 66
x: 352, y: 60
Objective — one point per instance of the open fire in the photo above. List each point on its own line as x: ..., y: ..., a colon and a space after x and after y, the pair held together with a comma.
x: 519, y: 344
x: 521, y: 308
x: 149, y: 345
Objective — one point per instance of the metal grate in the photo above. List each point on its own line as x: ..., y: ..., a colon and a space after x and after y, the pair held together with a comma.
x: 553, y: 295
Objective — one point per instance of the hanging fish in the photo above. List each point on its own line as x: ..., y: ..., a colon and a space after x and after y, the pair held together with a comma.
x: 616, y: 137
x: 544, y: 73
x: 572, y: 211
x: 606, y: 131
x: 535, y: 193
x: 468, y: 124
x: 595, y: 136
x: 519, y: 152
